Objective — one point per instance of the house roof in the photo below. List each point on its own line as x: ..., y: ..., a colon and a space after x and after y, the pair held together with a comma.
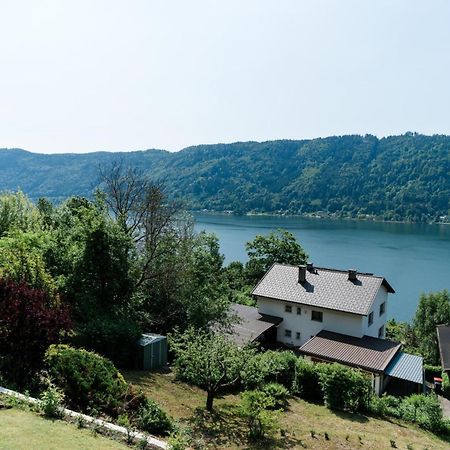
x: 251, y: 324
x: 443, y: 334
x: 324, y: 288
x: 368, y: 353
x: 406, y: 367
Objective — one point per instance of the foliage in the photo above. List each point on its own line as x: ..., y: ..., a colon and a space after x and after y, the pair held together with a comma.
x: 278, y: 246
x: 90, y: 382
x: 270, y: 366
x: 393, y: 178
x: 51, y: 401
x: 29, y: 323
x: 152, y: 419
x: 425, y: 410
x: 307, y: 380
x: 113, y: 337
x: 433, y: 310
x: 208, y: 360
x: 279, y: 394
x: 445, y: 385
x: 344, y: 388
x: 258, y: 409
x: 16, y: 213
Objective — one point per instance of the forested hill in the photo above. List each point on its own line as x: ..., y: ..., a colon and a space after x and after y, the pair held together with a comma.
x: 396, y: 178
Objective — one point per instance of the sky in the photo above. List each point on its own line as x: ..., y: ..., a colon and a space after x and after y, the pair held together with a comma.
x: 121, y: 75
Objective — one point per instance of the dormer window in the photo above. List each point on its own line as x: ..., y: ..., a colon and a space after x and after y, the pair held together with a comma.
x: 371, y: 318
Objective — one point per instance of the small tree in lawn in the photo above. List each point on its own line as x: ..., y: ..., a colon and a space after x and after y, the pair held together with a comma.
x: 208, y: 360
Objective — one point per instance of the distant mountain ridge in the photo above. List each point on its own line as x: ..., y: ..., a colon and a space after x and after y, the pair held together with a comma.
x: 403, y: 177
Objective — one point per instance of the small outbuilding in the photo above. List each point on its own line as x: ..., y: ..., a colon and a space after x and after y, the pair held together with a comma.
x: 152, y: 351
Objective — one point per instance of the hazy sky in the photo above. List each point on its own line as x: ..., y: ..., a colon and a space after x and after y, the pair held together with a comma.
x: 85, y: 75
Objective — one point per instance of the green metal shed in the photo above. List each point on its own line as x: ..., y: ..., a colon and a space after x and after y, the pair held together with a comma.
x: 152, y: 351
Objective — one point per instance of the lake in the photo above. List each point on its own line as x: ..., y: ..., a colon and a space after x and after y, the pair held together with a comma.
x: 414, y: 258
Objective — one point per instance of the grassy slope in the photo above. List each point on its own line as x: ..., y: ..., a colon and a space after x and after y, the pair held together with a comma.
x: 26, y: 430
x: 225, y: 430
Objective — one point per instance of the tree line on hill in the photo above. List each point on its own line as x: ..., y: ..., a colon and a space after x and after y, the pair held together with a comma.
x: 395, y: 178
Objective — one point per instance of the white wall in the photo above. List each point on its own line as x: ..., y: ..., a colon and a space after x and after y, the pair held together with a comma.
x: 378, y: 320
x: 336, y: 321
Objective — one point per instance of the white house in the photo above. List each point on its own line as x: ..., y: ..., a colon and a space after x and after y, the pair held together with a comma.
x: 311, y: 299
x: 329, y: 315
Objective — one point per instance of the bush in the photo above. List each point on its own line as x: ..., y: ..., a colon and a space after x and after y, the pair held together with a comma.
x: 257, y: 409
x: 307, y: 380
x: 90, y: 382
x: 152, y: 419
x: 270, y: 366
x: 344, y: 388
x: 445, y: 385
x: 279, y: 394
x: 51, y: 401
x: 425, y: 410
x: 387, y: 405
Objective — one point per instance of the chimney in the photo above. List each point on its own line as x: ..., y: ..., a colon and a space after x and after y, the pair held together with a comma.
x: 310, y: 267
x: 301, y: 274
x: 352, y: 274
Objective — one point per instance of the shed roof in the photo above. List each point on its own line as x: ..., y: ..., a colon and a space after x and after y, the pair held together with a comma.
x: 443, y: 334
x: 149, y: 338
x: 324, y: 288
x: 406, y: 367
x: 368, y: 353
x: 251, y: 324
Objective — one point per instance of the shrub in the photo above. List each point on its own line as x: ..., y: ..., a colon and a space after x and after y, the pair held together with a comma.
x: 307, y: 380
x: 279, y: 394
x: 89, y: 381
x: 51, y: 401
x: 344, y: 388
x: 270, y: 366
x: 257, y: 409
x: 387, y: 405
x: 425, y: 410
x: 152, y: 419
x: 445, y: 385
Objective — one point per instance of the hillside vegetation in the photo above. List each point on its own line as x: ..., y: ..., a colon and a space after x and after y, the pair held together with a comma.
x: 395, y: 178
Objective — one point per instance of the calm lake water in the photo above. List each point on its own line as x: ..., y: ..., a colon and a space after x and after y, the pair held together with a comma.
x: 414, y: 258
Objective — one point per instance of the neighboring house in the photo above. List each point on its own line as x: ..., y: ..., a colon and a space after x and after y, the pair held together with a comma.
x: 443, y: 335
x: 334, y: 316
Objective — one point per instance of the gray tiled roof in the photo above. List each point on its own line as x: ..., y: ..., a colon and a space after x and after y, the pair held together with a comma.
x: 324, y: 288
x: 368, y: 353
x: 251, y: 324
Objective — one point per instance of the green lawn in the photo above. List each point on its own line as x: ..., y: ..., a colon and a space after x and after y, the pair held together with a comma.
x: 226, y: 430
x: 26, y: 430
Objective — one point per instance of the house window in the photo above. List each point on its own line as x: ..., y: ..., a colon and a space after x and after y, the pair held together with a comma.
x: 381, y: 331
x: 317, y: 316
x: 371, y: 318
x: 382, y: 308
x: 297, y: 335
x: 287, y: 333
x: 288, y: 308
x: 299, y: 310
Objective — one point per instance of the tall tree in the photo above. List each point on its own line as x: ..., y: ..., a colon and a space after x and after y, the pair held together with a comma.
x: 278, y: 246
x: 433, y: 309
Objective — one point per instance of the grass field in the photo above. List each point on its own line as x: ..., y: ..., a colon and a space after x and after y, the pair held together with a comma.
x: 226, y: 430
x: 26, y: 430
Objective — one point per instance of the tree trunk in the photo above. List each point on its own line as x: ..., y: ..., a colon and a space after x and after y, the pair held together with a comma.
x: 209, y: 401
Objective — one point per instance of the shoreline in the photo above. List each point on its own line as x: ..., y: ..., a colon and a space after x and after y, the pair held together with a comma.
x: 313, y: 216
